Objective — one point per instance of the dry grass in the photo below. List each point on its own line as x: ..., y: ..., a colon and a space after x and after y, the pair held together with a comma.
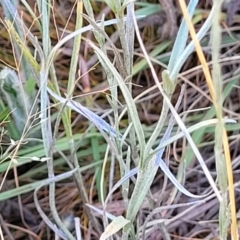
x: 198, y: 221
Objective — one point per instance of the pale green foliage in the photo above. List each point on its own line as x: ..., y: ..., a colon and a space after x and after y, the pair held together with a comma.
x: 18, y: 97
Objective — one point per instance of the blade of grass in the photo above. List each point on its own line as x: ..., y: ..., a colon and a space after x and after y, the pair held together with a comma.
x: 33, y: 15
x: 31, y: 186
x: 67, y: 113
x: 224, y: 216
x: 64, y: 235
x: 181, y: 38
x: 189, y: 49
x: 44, y: 9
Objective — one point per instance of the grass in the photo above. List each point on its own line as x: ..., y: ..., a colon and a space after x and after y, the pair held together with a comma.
x: 135, y: 178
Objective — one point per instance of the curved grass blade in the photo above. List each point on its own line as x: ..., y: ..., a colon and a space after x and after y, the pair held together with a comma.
x: 181, y: 38
x: 92, y: 117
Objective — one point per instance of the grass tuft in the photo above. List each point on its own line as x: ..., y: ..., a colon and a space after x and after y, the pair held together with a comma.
x: 103, y: 117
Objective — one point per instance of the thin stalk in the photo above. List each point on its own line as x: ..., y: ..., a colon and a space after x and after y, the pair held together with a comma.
x: 126, y: 34
x: 224, y: 216
x: 158, y: 129
x: 44, y: 8
x: 39, y: 209
x: 10, y: 11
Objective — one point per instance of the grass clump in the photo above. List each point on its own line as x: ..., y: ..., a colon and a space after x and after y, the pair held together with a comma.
x: 116, y: 159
